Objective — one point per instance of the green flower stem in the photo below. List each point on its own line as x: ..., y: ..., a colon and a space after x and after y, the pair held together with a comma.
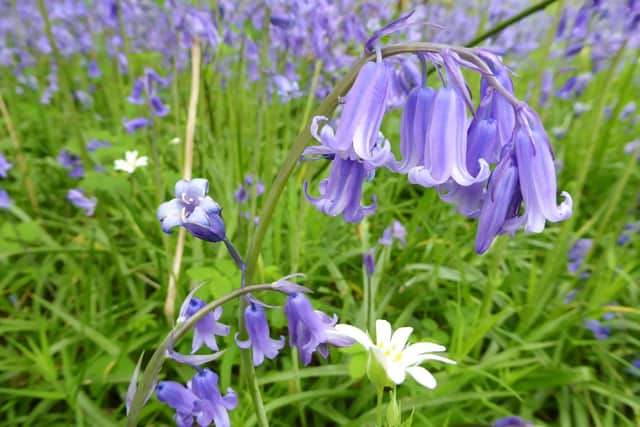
x: 152, y: 369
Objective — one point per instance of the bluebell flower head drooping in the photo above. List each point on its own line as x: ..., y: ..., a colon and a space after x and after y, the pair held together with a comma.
x: 364, y: 107
x: 395, y: 231
x: 537, y: 173
x: 4, y: 166
x: 136, y: 96
x: 201, y: 399
x: 500, y: 212
x: 134, y: 124
x: 5, y: 200
x: 193, y: 210
x: 207, y: 327
x: 511, y: 421
x: 311, y: 330
x: 178, y: 397
x: 576, y: 254
x: 241, y: 194
x: 72, y: 163
x: 600, y: 332
x: 211, y: 405
x: 444, y: 142
x: 342, y: 191
x: 259, y: 338
x: 78, y: 199
x: 96, y: 144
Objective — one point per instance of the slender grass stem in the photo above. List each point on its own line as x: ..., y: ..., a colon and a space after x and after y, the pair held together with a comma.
x: 169, y: 303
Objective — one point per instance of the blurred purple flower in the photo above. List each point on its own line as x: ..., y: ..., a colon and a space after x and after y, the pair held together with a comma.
x: 395, y: 231
x: 134, y: 124
x: 78, y: 199
x: 4, y: 166
x: 5, y: 200
x: 369, y: 262
x: 576, y: 254
x: 95, y: 145
x: 600, y: 332
x: 72, y: 163
x: 511, y: 421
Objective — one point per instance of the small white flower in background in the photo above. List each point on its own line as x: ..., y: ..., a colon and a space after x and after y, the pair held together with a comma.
x: 395, y: 357
x: 175, y: 141
x: 131, y: 162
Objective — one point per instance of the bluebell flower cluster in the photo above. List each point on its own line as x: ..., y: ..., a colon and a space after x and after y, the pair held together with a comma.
x: 77, y: 197
x: 442, y: 149
x: 72, y: 163
x: 145, y: 91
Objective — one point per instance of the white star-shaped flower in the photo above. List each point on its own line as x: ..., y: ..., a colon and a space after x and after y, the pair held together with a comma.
x: 396, y: 358
x: 131, y: 162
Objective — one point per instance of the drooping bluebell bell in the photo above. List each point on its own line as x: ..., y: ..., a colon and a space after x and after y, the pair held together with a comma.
x: 4, y: 166
x: 500, y: 212
x: 630, y: 229
x: 206, y: 329
x: 241, y: 195
x: 134, y: 124
x: 211, y: 406
x: 395, y: 231
x: 194, y: 210
x: 93, y: 71
x: 600, y: 332
x: 537, y: 173
x: 72, y: 163
x: 96, y: 144
x: 342, y: 191
x: 78, y: 199
x: 512, y: 421
x: 259, y: 340
x: 311, y: 330
x: 200, y: 399
x: 5, y: 200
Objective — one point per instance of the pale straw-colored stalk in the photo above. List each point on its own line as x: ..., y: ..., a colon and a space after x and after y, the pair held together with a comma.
x: 170, y: 301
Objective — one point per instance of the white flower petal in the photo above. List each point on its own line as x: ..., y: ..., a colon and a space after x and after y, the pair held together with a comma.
x: 122, y: 165
x: 426, y: 357
x: 395, y: 371
x: 383, y: 332
x: 420, y: 348
x: 142, y: 161
x: 400, y: 338
x: 422, y: 376
x: 355, y: 333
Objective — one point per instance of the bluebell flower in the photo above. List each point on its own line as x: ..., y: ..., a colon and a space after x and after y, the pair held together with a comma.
x: 5, y: 200
x: 600, y: 332
x: 95, y: 144
x: 207, y: 327
x: 201, y: 399
x: 134, y: 124
x: 395, y: 231
x: 537, y: 173
x: 635, y: 367
x: 4, y: 166
x: 72, y: 163
x: 93, y: 71
x: 342, y: 191
x: 311, y: 330
x: 241, y: 195
x: 369, y: 262
x: 78, y: 199
x: 627, y: 110
x: 259, y: 338
x: 178, y: 397
x: 500, y: 212
x: 576, y: 254
x: 158, y: 108
x: 194, y: 210
x: 211, y: 405
x: 444, y: 142
x: 136, y: 92
x: 570, y: 296
x: 511, y: 421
